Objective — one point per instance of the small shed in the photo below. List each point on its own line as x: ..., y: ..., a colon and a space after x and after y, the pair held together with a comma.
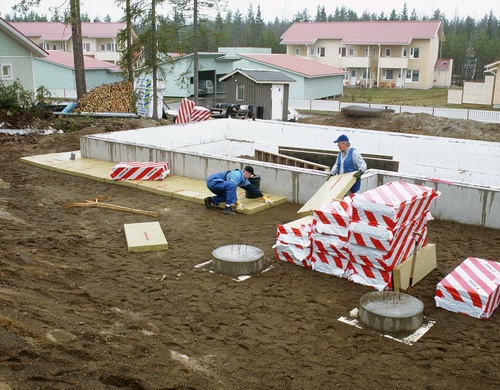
x: 268, y: 90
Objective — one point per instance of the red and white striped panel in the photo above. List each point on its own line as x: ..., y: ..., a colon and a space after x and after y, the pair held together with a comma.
x: 383, y: 238
x: 296, y: 232
x: 330, y: 240
x: 330, y: 249
x: 294, y: 254
x: 368, y: 276
x: 185, y: 109
x: 328, y: 264
x: 189, y: 113
x: 334, y: 218
x: 393, y: 205
x: 200, y: 114
x: 140, y: 171
x: 473, y: 288
x: 387, y: 260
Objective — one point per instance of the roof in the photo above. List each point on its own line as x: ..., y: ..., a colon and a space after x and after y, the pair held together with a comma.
x: 21, y: 38
x: 262, y: 76
x: 65, y: 58
x: 443, y: 64
x: 56, y: 31
x: 294, y: 64
x: 363, y: 33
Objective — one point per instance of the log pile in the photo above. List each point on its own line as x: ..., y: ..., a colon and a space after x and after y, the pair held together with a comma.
x: 116, y: 97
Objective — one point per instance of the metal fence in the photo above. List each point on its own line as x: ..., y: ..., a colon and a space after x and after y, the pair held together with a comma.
x: 453, y: 113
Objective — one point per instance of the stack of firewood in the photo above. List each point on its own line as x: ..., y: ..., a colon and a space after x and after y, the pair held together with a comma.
x: 116, y: 97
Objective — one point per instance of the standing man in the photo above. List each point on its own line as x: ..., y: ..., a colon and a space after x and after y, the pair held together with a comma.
x: 348, y: 160
x: 224, y: 185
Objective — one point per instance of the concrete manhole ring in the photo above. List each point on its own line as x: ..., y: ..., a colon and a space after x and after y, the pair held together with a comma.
x: 236, y: 259
x: 390, y: 311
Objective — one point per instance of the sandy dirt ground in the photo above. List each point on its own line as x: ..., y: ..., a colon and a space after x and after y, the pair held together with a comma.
x: 78, y: 311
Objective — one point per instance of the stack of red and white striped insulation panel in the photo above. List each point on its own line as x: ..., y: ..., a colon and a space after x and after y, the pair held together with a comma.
x: 364, y: 236
x: 293, y: 242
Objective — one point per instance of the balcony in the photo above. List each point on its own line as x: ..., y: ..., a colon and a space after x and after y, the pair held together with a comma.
x: 356, y: 62
x: 393, y: 62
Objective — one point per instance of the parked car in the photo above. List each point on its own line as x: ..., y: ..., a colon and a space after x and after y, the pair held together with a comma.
x: 205, y: 87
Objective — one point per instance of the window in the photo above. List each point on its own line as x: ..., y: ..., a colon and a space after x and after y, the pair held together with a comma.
x: 44, y: 46
x: 297, y: 51
x: 415, y: 52
x: 353, y: 73
x: 388, y: 74
x: 7, y: 72
x: 412, y: 76
x: 346, y: 76
x: 62, y: 46
x: 240, y: 92
x: 321, y: 51
x: 351, y: 52
x: 54, y: 46
x: 342, y: 52
x: 387, y: 52
x: 365, y: 74
x: 405, y: 52
x: 86, y: 47
x: 311, y: 51
x: 367, y: 52
x: 108, y: 47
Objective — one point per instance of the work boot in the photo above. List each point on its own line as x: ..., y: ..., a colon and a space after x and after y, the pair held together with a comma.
x: 208, y: 202
x: 227, y: 210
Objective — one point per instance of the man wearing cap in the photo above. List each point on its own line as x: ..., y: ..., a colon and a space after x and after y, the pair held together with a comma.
x: 224, y: 185
x: 348, y: 160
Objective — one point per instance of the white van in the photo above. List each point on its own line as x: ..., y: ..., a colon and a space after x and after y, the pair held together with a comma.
x: 205, y: 87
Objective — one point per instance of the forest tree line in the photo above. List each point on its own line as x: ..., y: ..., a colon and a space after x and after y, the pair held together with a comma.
x: 471, y: 44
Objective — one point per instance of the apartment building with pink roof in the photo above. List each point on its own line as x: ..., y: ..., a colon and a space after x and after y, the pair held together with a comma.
x: 385, y: 54
x: 99, y: 40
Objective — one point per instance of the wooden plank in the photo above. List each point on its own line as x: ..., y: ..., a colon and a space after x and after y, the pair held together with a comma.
x: 335, y: 188
x: 424, y: 264
x: 145, y: 237
x: 261, y: 155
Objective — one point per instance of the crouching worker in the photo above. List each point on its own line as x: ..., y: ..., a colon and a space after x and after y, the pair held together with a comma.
x: 225, y: 184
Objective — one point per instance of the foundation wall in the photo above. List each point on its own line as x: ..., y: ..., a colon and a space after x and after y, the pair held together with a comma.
x: 198, y: 150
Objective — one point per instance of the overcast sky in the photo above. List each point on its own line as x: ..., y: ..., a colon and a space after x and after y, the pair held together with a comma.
x: 286, y: 9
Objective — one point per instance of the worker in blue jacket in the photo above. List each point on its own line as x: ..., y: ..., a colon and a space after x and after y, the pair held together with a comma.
x: 224, y: 185
x: 348, y: 160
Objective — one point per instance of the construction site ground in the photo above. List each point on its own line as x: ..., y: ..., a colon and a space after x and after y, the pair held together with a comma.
x: 78, y: 311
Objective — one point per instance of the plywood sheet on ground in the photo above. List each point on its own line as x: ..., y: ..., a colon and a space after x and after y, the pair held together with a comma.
x: 145, y: 237
x: 335, y: 188
x: 425, y: 262
x: 175, y: 186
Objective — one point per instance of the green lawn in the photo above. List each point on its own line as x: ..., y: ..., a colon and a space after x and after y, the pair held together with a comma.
x: 435, y: 97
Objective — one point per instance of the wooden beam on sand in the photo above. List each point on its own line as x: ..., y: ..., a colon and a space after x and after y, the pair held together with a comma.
x: 97, y: 202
